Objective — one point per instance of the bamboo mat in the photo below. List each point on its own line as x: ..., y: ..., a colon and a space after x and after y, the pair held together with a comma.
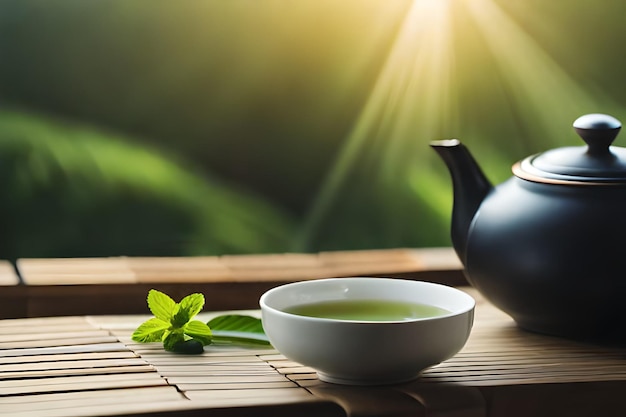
x: 500, y: 353
x: 87, y: 366
x: 501, y: 371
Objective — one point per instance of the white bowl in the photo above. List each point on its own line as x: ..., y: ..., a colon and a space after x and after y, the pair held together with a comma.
x: 361, y: 352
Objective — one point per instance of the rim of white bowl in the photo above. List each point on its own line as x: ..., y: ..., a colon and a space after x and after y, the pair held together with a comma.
x: 263, y: 304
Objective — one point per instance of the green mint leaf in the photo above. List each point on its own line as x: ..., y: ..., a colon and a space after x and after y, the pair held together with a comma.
x: 238, y: 329
x: 161, y: 305
x: 187, y: 309
x: 192, y: 304
x: 237, y: 322
x: 172, y: 339
x: 180, y: 318
x: 199, y: 331
x: 150, y: 331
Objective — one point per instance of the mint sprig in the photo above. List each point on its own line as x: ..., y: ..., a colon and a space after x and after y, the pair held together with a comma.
x: 173, y: 322
x: 173, y: 325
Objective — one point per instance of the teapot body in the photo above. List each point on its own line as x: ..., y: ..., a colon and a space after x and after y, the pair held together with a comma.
x: 553, y: 256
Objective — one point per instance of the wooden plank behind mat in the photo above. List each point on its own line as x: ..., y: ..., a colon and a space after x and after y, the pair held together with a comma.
x: 12, y: 294
x: 284, y: 267
x: 57, y: 287
x: 105, y: 299
x: 8, y: 276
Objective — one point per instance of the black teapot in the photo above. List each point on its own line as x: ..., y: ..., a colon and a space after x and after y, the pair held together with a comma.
x: 548, y: 246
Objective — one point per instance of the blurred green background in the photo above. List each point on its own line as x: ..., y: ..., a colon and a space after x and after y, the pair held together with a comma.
x: 206, y: 127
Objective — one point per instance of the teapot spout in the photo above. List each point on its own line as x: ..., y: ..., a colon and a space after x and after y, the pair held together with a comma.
x: 470, y: 186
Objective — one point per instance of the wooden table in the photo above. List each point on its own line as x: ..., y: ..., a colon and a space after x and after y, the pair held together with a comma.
x: 88, y: 366
x: 118, y: 285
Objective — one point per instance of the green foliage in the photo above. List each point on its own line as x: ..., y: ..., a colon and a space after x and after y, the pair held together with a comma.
x: 266, y: 95
x: 258, y: 92
x: 73, y: 191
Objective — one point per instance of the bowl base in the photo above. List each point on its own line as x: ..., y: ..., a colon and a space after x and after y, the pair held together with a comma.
x: 391, y: 380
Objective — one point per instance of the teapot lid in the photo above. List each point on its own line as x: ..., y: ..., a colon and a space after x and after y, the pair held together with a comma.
x: 598, y: 162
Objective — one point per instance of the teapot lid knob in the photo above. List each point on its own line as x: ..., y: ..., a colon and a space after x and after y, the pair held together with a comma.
x: 598, y: 163
x: 598, y: 131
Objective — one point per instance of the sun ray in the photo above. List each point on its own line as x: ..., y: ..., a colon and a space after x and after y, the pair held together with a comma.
x: 422, y: 93
x: 529, y: 71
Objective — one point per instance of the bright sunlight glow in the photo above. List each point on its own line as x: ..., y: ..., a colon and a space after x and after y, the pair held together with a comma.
x: 444, y: 53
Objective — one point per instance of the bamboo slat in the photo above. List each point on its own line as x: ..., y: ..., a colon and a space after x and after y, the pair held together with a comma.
x: 67, y: 401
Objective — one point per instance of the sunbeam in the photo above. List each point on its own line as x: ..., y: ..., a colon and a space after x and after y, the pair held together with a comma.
x: 443, y: 51
x: 539, y: 89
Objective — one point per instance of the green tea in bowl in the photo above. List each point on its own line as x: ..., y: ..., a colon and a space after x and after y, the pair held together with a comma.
x: 367, y: 331
x: 367, y: 310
